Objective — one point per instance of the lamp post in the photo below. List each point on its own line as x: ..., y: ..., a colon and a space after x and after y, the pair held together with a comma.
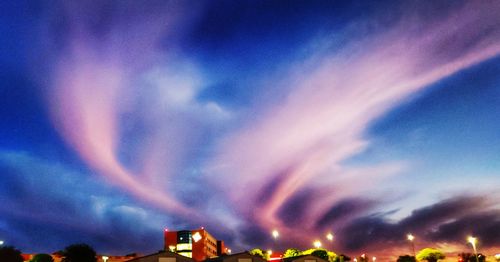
x: 410, y: 238
x: 473, y: 241
x: 275, y: 234
x: 105, y: 258
x: 1, y: 242
x: 317, y: 244
x: 329, y: 237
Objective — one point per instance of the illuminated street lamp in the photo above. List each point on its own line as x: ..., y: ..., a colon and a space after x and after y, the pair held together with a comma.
x: 105, y: 258
x: 374, y: 259
x: 1, y: 242
x: 275, y: 234
x: 317, y: 244
x: 410, y: 238
x: 473, y: 241
x: 329, y: 237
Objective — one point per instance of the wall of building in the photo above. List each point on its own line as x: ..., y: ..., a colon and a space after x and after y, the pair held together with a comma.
x: 162, y: 257
x: 240, y: 257
x: 201, y: 243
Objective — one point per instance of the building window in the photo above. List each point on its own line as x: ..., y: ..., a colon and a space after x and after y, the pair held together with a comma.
x: 186, y: 254
x: 184, y: 237
x: 184, y: 247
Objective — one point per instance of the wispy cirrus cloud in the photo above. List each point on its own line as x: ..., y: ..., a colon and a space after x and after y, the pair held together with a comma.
x: 303, y: 140
x: 125, y: 99
x: 113, y: 100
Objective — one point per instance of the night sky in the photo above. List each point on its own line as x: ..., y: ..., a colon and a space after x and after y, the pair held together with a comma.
x: 367, y: 119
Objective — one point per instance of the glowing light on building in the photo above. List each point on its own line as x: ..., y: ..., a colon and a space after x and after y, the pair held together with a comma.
x: 184, y: 246
x: 196, y: 237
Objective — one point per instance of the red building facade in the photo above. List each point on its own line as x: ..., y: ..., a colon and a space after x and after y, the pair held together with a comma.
x: 197, y: 244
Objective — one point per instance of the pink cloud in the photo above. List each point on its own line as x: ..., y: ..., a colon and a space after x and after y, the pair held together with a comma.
x: 84, y: 106
x: 91, y: 92
x: 299, y: 142
x: 322, y: 120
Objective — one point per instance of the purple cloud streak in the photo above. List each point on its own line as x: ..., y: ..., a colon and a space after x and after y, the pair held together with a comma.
x: 299, y: 143
x: 306, y: 137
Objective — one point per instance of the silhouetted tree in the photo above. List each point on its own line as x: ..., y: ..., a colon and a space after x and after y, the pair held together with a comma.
x: 406, y: 258
x: 321, y: 253
x: 79, y: 253
x: 292, y: 252
x: 259, y: 252
x: 468, y: 257
x: 10, y: 254
x: 430, y: 254
x: 42, y: 258
x: 481, y: 257
x: 362, y: 258
x: 342, y: 258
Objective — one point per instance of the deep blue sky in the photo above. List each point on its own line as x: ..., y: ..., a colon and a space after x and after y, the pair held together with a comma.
x: 367, y: 119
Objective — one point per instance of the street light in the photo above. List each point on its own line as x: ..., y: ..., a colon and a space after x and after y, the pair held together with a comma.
x: 1, y: 242
x: 317, y: 244
x: 275, y: 234
x: 374, y: 258
x: 329, y: 237
x: 472, y: 240
x: 105, y: 258
x: 410, y: 238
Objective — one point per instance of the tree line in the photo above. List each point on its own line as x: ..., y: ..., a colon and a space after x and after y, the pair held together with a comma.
x: 85, y: 253
x: 426, y: 254
x: 71, y: 253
